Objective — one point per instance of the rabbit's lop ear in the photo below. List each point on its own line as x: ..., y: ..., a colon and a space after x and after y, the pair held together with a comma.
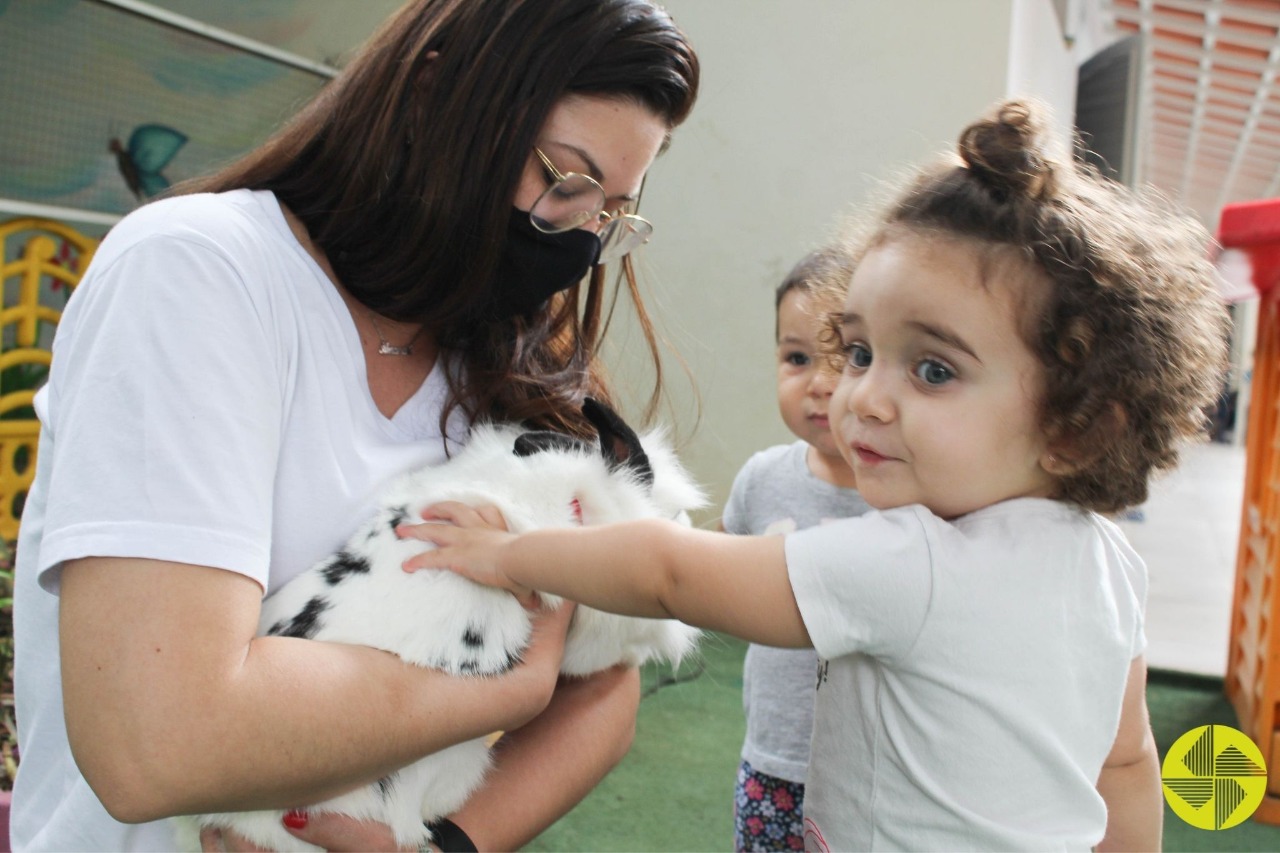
x: 619, y: 443
x: 537, y: 441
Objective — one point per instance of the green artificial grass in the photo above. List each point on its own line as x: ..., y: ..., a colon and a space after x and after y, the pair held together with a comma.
x: 674, y: 790
x: 1179, y: 703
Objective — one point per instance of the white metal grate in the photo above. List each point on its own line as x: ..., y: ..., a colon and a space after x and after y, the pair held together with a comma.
x: 1209, y: 110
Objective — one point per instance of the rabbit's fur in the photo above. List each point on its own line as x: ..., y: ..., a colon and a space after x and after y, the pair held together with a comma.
x: 437, y: 619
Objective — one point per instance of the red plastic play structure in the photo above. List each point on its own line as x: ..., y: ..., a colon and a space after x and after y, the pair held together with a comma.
x: 1253, y: 665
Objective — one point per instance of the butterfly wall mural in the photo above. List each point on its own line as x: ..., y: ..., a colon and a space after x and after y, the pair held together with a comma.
x: 150, y: 148
x: 127, y: 106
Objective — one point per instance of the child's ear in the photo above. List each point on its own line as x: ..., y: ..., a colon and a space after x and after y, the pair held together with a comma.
x: 1056, y: 463
x: 1067, y: 454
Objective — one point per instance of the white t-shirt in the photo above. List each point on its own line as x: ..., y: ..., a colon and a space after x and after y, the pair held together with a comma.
x: 208, y: 404
x: 973, y: 675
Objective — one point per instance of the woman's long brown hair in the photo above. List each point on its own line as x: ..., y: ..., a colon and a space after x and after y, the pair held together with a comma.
x: 404, y: 168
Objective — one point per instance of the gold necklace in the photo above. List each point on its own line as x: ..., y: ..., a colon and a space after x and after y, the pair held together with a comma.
x: 385, y: 347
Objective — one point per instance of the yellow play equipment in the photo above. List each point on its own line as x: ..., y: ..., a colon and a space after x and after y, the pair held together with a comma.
x: 48, y: 260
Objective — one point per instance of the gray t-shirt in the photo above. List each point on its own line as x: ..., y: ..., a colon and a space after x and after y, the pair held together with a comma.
x: 776, y: 493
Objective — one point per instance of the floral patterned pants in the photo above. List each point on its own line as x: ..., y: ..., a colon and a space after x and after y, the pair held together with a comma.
x: 767, y: 812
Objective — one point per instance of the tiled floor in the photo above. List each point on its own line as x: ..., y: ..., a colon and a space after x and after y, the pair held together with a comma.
x: 1188, y: 537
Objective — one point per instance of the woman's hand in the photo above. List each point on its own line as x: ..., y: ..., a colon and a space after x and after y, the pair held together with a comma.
x: 218, y: 840
x: 468, y: 541
x: 327, y: 830
x: 482, y: 517
x: 540, y: 662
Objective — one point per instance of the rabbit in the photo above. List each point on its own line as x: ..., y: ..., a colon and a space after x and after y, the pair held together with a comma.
x: 437, y: 619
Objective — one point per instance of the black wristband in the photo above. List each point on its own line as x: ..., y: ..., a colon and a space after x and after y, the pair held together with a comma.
x: 450, y: 838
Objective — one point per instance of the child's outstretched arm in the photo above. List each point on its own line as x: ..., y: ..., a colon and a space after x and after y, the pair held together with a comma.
x: 1130, y: 778
x: 734, y: 584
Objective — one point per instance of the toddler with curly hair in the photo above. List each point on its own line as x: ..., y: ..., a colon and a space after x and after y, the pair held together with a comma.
x: 1024, y: 345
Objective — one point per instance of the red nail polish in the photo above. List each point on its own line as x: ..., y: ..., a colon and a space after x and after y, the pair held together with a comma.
x: 295, y: 819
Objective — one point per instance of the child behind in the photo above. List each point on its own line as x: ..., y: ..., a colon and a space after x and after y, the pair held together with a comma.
x: 785, y: 488
x: 1025, y: 345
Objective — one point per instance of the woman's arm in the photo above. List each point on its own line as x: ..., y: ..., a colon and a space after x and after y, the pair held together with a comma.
x: 173, y: 705
x: 545, y: 768
x: 540, y: 772
x: 1130, y: 778
x: 640, y: 568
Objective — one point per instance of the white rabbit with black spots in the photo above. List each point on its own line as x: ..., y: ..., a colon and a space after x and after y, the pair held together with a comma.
x: 437, y: 619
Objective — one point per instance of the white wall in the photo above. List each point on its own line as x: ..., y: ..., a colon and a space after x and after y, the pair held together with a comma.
x: 1038, y: 70
x: 805, y: 106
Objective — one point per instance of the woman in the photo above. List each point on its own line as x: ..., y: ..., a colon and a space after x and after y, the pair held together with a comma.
x: 247, y: 363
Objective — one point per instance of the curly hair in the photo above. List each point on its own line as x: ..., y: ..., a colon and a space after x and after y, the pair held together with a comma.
x: 1131, y: 331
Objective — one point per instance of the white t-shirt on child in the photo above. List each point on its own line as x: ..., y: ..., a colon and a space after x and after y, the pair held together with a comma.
x: 972, y: 678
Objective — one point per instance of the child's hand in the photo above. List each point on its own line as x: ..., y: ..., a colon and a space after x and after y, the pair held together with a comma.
x: 468, y: 545
x: 485, y: 516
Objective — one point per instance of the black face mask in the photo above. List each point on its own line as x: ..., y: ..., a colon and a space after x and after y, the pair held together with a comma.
x: 535, y: 265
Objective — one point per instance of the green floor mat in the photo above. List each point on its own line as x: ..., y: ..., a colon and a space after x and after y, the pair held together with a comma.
x: 674, y: 790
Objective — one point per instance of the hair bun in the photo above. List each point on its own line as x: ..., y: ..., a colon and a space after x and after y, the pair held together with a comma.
x: 1006, y: 151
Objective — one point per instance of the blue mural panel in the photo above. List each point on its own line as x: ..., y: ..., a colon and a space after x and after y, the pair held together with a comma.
x: 101, y: 109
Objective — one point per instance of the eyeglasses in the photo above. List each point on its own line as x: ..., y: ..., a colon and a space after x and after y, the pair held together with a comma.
x: 573, y: 200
